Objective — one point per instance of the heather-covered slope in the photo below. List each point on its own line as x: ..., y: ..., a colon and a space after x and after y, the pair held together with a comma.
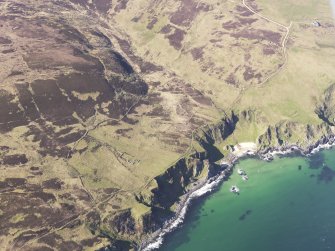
x: 111, y: 110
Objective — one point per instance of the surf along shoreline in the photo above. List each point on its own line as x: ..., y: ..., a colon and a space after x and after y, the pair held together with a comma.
x: 209, y: 185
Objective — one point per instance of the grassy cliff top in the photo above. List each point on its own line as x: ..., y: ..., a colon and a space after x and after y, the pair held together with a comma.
x: 110, y: 109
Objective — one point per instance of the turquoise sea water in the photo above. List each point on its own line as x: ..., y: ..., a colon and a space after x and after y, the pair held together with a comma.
x: 287, y: 205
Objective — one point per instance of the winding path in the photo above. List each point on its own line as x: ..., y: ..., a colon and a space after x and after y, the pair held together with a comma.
x: 283, y: 45
x: 287, y: 28
x: 260, y: 15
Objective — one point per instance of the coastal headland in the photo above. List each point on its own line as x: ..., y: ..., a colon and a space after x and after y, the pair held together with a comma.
x: 115, y: 114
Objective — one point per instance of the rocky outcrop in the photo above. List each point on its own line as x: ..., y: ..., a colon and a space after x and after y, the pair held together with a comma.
x: 287, y: 133
x: 211, y: 134
x: 326, y: 106
x: 122, y: 223
x: 299, y: 139
x: 165, y: 189
x: 163, y: 193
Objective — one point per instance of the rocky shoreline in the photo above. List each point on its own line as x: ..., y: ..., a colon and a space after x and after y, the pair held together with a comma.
x: 323, y: 143
x: 207, y: 185
x: 203, y: 187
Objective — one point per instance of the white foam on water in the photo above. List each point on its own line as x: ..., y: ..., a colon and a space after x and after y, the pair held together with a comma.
x: 271, y: 154
x: 175, y: 222
x: 322, y: 146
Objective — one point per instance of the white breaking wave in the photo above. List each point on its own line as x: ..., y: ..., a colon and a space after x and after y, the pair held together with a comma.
x: 174, y: 223
x: 271, y: 154
x: 322, y: 146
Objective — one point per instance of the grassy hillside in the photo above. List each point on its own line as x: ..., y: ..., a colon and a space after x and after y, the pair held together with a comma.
x: 111, y: 110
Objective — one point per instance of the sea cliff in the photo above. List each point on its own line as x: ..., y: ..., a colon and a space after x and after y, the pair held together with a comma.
x: 208, y: 164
